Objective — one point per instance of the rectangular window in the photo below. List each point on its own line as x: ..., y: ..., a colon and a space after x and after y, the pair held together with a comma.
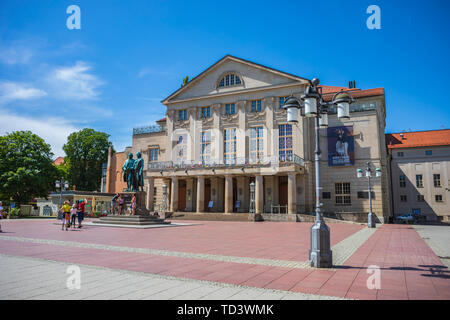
x: 420, y: 198
x: 182, y: 115
x: 326, y: 195
x: 206, y: 112
x: 438, y: 198
x: 230, y: 108
x: 282, y: 100
x: 400, y: 154
x: 403, y: 198
x: 256, y: 105
x: 285, y: 142
x: 437, y: 180
x: 205, y: 152
x: 153, y: 154
x: 428, y: 152
x: 256, y: 144
x: 342, y: 193
x: 419, y: 181
x: 402, y: 181
x: 181, y: 148
x: 229, y: 142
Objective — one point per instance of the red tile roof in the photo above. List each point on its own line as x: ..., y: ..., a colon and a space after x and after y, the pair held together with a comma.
x: 161, y: 120
x: 418, y: 139
x: 329, y: 91
x: 58, y: 161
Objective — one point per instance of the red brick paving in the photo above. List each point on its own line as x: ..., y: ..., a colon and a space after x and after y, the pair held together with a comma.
x: 409, y: 268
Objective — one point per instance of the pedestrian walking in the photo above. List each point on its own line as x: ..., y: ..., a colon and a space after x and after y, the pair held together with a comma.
x: 65, y: 209
x: 114, y: 203
x: 81, y: 206
x: 1, y: 215
x: 73, y: 215
x: 133, y: 204
x: 121, y: 203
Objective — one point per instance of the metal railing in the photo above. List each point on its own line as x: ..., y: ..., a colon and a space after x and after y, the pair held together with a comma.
x: 218, y: 163
x: 148, y: 129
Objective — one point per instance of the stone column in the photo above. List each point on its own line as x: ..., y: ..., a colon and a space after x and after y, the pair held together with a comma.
x: 174, y: 195
x: 200, y: 194
x: 228, y: 194
x: 150, y: 194
x: 292, y: 194
x: 259, y: 194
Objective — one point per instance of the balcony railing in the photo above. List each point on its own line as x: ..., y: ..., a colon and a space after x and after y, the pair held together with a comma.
x: 148, y: 129
x: 236, y: 162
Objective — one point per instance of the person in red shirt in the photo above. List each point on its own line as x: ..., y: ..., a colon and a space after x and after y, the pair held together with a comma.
x: 80, y: 214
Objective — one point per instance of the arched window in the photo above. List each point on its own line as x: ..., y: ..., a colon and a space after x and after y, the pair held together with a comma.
x: 229, y: 80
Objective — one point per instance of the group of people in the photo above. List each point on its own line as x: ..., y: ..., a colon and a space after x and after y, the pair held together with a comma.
x: 119, y: 202
x: 72, y: 213
x: 1, y: 216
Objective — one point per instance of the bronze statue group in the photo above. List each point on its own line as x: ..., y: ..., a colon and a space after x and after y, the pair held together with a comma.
x: 133, y: 172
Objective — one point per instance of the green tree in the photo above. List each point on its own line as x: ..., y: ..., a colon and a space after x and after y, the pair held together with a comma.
x: 26, y: 169
x: 86, y: 151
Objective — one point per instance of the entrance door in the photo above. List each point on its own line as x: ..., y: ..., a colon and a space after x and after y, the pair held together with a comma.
x: 207, y: 195
x: 283, y: 190
x: 182, y: 195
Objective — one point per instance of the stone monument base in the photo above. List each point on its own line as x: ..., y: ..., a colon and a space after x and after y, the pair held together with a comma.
x: 134, y: 220
x: 141, y: 216
x: 140, y: 203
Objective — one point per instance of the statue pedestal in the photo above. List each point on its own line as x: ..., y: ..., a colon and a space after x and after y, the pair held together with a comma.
x: 141, y: 197
x: 141, y: 217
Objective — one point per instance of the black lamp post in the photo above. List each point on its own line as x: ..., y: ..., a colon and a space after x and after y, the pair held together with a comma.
x: 311, y: 105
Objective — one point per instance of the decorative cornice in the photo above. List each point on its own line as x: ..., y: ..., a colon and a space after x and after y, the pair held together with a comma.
x: 256, y: 116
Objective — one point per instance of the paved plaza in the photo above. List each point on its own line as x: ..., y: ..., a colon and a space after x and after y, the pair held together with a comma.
x: 221, y: 260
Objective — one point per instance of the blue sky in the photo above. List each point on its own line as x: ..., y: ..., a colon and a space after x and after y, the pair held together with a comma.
x: 112, y: 74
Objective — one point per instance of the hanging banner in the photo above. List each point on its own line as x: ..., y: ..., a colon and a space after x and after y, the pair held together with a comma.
x: 341, y: 146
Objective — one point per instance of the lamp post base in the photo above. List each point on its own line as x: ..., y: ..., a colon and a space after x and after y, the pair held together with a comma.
x: 320, y: 254
x: 371, y: 220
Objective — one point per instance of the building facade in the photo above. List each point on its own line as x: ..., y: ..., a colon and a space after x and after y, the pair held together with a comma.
x: 226, y: 129
x: 420, y: 166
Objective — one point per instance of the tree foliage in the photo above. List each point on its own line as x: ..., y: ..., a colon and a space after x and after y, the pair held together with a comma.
x: 86, y: 151
x: 185, y: 81
x: 26, y: 169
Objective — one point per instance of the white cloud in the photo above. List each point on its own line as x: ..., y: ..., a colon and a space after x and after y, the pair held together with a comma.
x: 75, y: 83
x: 53, y: 130
x: 15, y: 55
x: 10, y: 91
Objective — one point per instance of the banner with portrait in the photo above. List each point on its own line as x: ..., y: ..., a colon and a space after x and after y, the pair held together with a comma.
x: 341, y: 146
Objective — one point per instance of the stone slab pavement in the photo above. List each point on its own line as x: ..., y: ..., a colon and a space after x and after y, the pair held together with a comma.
x: 31, y: 278
x: 438, y: 238
x: 257, y: 256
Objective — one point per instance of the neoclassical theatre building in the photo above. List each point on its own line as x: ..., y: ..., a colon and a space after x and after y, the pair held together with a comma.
x: 226, y: 129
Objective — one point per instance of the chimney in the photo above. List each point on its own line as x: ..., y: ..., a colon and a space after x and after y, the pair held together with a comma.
x: 352, y: 84
x: 402, y: 136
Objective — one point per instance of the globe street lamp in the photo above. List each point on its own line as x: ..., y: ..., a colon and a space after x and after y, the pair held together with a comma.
x: 359, y: 174
x: 62, y: 185
x: 311, y: 105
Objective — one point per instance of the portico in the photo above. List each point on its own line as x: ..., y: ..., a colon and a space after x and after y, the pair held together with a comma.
x: 227, y: 189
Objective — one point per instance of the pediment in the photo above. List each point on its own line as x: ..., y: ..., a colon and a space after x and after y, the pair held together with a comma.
x: 252, y: 76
